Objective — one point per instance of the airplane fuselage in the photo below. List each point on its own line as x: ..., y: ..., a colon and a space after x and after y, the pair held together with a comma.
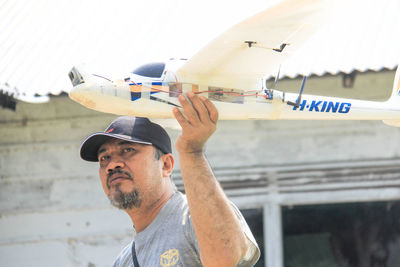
x: 156, y: 99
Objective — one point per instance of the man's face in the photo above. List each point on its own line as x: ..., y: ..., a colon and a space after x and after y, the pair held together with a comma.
x: 129, y: 172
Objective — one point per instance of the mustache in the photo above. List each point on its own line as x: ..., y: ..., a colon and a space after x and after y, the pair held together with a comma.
x: 112, y: 172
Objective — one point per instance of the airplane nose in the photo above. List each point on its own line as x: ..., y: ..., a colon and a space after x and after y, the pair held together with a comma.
x: 97, y: 92
x: 82, y: 89
x: 75, y: 77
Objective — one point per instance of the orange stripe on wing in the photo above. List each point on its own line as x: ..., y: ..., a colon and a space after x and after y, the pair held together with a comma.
x: 135, y: 88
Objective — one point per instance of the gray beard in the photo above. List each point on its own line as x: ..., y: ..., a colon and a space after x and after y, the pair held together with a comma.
x: 125, y: 201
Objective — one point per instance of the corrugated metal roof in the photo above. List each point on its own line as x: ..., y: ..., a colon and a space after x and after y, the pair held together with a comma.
x: 41, y: 40
x: 363, y: 35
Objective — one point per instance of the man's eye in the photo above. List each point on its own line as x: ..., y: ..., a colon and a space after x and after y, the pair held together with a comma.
x: 127, y: 149
x: 103, y: 158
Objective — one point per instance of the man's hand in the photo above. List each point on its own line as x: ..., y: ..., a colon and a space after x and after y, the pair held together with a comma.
x: 198, y: 123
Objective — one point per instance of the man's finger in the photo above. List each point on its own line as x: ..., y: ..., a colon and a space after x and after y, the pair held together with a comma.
x: 191, y: 114
x: 199, y: 106
x: 180, y: 118
x: 212, y: 110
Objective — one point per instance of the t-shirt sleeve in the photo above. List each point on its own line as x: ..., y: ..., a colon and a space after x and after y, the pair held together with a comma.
x: 253, y: 252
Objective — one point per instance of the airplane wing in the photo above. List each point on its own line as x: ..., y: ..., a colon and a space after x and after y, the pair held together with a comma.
x: 255, y: 47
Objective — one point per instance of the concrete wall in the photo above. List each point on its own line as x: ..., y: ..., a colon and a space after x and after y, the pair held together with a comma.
x: 53, y: 211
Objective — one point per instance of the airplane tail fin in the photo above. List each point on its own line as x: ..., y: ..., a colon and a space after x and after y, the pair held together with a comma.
x: 394, y: 99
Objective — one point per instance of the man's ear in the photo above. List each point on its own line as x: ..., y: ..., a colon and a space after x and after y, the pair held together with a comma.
x: 168, y: 164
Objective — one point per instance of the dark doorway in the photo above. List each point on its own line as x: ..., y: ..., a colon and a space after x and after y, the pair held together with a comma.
x: 342, y: 235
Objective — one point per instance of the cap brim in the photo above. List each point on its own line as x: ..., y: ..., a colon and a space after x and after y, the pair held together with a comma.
x: 93, y: 142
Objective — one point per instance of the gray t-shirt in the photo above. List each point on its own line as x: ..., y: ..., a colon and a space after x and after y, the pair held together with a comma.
x: 170, y: 239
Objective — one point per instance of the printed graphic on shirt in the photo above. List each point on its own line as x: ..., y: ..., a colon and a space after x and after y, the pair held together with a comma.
x: 169, y: 258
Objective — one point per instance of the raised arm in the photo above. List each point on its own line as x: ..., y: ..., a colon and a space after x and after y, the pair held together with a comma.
x: 221, y: 240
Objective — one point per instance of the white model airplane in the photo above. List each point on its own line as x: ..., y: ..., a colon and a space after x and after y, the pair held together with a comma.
x: 227, y: 71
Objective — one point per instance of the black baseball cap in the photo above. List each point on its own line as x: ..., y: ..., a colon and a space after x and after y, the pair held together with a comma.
x: 133, y: 129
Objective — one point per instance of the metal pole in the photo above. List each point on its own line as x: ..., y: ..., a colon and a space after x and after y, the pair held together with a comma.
x: 273, y: 235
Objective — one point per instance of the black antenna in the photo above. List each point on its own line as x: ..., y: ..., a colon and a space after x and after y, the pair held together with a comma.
x: 301, y: 90
x: 297, y: 103
x: 277, y: 77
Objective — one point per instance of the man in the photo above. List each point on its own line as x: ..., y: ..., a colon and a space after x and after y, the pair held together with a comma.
x: 202, y: 228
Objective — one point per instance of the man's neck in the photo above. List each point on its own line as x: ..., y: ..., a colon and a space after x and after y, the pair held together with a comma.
x: 144, y: 216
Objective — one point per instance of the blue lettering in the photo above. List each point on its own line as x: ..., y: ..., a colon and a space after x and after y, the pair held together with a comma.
x: 302, y: 105
x: 333, y: 106
x: 324, y: 106
x: 314, y: 105
x: 344, y: 108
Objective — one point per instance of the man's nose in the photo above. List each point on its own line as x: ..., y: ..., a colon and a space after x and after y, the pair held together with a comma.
x: 115, y: 163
